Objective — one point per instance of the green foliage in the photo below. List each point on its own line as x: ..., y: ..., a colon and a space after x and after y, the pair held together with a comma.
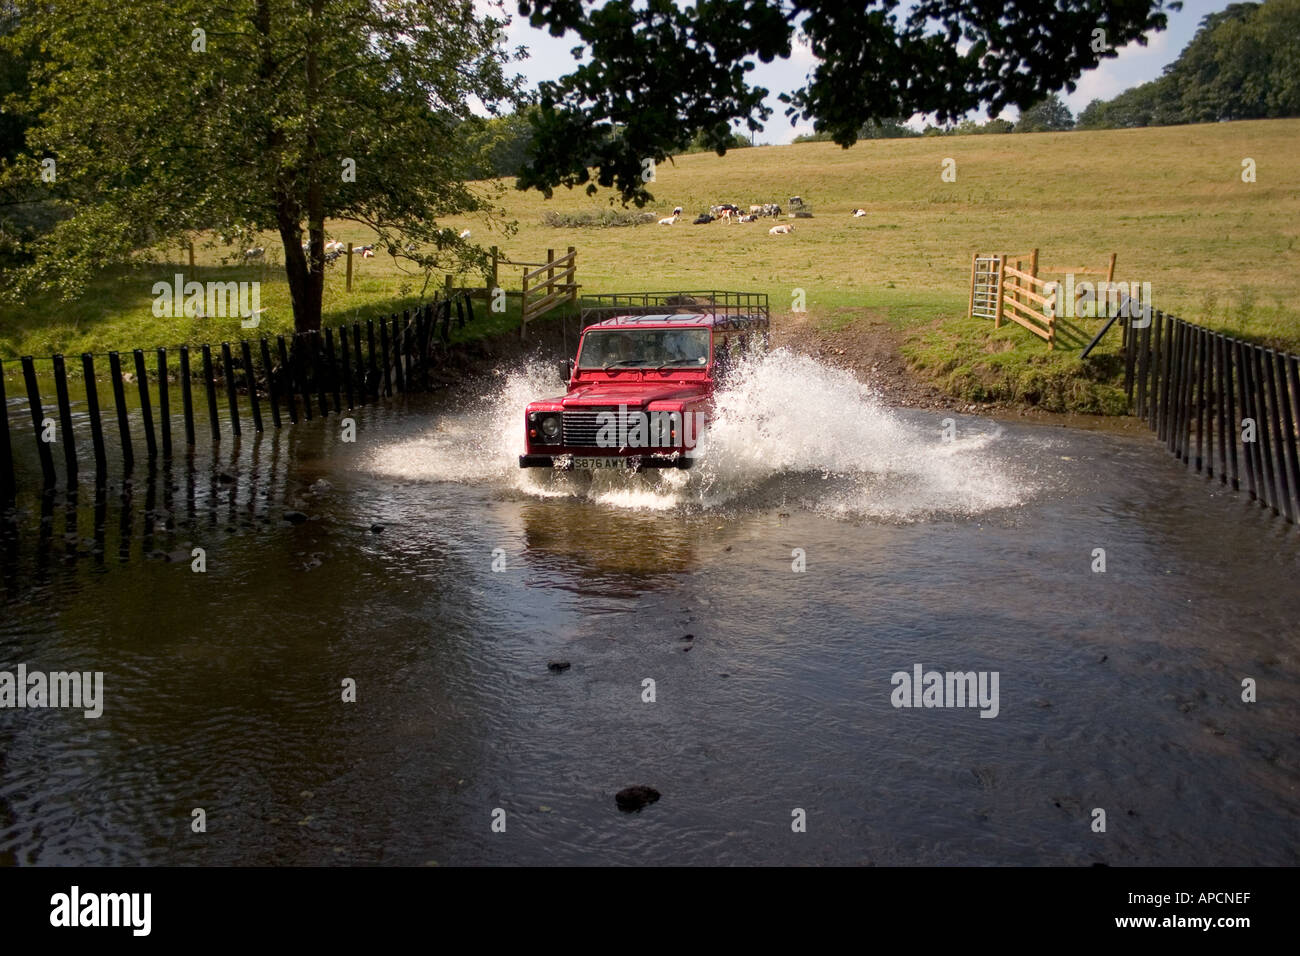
x: 1049, y: 115
x: 656, y: 72
x: 605, y: 218
x: 500, y: 143
x: 161, y: 130
x: 1243, y: 63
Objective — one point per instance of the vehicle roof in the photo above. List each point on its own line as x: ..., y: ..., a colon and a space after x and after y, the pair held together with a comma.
x: 683, y: 319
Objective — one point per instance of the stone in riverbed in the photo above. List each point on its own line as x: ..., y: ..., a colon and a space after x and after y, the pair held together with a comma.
x: 632, y: 799
x: 295, y: 517
x: 557, y: 667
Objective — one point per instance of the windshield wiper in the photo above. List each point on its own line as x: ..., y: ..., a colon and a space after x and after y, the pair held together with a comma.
x: 689, y: 361
x: 622, y: 362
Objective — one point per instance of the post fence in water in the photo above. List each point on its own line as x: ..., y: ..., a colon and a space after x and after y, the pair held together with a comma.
x: 363, y: 388
x: 210, y: 386
x: 286, y: 376
x: 271, y: 397
x: 8, y: 483
x: 119, y: 402
x: 1268, y: 357
x: 318, y: 368
x: 1262, y: 438
x: 146, y: 411
x: 383, y: 343
x: 69, y: 438
x: 38, y: 421
x: 372, y: 369
x: 345, y: 353
x: 1244, y: 412
x: 246, y: 353
x: 333, y: 364
x: 164, y: 405
x: 92, y: 409
x: 232, y: 398
x: 187, y: 396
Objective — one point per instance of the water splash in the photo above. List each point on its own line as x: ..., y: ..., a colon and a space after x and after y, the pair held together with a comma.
x: 788, y: 431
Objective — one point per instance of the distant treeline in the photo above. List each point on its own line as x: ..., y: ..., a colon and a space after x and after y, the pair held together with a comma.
x: 1243, y: 63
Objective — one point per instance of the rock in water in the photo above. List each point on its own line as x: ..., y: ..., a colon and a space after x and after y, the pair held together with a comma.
x: 632, y: 799
x: 557, y: 666
x: 295, y: 517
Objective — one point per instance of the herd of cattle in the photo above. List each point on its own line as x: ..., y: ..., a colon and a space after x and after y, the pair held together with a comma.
x: 730, y: 212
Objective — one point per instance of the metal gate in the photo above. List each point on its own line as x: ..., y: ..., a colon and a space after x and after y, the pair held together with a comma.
x: 986, y: 287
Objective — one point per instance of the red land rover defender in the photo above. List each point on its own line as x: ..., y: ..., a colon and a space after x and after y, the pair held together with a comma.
x: 640, y: 392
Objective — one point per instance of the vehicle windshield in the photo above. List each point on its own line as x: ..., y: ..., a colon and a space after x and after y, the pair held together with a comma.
x: 645, y: 348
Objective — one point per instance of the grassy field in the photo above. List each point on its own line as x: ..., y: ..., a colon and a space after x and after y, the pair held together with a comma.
x: 1170, y: 202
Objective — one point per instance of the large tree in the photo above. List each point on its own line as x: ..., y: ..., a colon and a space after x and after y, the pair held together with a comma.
x: 1050, y: 115
x: 657, y: 73
x: 169, y: 116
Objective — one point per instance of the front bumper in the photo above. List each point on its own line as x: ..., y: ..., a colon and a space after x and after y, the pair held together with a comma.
x: 565, y: 462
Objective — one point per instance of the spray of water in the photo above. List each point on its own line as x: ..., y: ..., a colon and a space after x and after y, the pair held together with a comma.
x: 787, y: 431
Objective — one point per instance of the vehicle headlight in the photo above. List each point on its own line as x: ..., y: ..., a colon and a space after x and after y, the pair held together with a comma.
x: 550, y: 425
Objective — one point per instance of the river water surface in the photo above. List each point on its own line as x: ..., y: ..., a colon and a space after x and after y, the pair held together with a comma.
x: 443, y: 581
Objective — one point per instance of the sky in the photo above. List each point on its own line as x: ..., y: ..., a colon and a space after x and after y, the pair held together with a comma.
x: 549, y: 58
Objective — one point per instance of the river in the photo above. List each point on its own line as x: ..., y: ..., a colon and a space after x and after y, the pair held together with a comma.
x: 824, y: 544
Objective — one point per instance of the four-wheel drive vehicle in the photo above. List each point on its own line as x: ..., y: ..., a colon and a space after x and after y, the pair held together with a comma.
x: 639, y: 395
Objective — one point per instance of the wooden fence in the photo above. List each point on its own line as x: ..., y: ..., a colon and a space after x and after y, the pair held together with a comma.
x: 1226, y: 407
x: 1017, y: 293
x: 539, y: 297
x: 384, y: 357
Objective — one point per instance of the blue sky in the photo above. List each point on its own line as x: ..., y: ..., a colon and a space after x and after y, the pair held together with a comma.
x: 550, y: 58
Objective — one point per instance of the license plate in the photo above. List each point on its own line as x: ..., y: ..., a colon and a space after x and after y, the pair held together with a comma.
x: 616, y: 462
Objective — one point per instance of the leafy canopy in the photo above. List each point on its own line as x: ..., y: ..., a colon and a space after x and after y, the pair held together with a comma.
x: 654, y: 73
x: 170, y: 116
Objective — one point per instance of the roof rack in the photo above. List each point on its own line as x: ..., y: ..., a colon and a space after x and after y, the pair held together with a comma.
x: 598, y: 308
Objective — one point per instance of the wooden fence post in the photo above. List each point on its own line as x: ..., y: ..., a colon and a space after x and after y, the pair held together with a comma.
x: 492, y: 276
x: 38, y: 421
x: 349, y: 279
x: 573, y: 279
x: 997, y: 310
x: 1110, y: 270
x: 8, y: 484
x: 974, y: 261
x: 65, y: 419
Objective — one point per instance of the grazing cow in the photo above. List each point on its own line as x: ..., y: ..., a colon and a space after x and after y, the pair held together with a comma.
x: 771, y: 209
x: 784, y: 229
x: 367, y: 252
x: 859, y: 213
x: 257, y: 253
x: 755, y: 210
x: 464, y: 234
x: 796, y: 201
x: 669, y: 221
x: 750, y: 218
x: 703, y: 218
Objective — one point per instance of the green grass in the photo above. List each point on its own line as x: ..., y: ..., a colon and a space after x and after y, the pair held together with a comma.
x: 1169, y: 201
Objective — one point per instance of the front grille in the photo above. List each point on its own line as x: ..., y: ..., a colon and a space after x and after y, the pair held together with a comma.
x: 581, y: 427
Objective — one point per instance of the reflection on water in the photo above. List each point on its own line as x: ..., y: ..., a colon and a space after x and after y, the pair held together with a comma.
x: 442, y: 579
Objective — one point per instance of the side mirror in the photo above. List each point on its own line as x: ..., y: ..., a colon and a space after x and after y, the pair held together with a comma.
x: 566, y: 369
